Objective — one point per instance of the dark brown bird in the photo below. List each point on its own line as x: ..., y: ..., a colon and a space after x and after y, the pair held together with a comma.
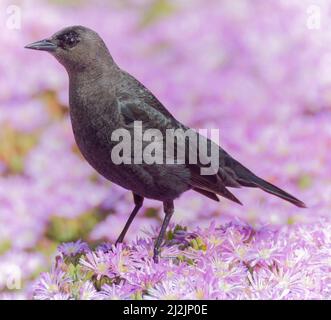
x: 104, y: 98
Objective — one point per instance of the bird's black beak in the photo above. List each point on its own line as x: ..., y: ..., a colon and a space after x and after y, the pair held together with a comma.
x: 44, y: 45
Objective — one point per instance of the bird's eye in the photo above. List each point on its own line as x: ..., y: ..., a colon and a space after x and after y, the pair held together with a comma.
x: 69, y: 40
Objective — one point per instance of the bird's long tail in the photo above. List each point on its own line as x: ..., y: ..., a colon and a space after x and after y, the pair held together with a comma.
x: 270, y: 188
x: 249, y: 179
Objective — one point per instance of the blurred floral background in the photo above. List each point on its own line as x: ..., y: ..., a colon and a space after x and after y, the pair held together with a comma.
x: 254, y: 69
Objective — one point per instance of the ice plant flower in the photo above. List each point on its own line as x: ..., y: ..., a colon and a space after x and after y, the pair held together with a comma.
x: 264, y: 252
x: 52, y: 286
x: 166, y: 290
x: 97, y: 262
x: 116, y: 292
x: 279, y: 269
x: 88, y: 292
x: 71, y: 249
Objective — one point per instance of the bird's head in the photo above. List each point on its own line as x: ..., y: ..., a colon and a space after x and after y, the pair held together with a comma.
x: 76, y: 48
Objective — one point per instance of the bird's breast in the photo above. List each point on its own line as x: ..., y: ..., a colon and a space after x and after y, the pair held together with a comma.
x: 92, y: 131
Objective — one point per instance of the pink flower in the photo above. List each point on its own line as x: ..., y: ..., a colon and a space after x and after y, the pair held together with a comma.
x: 116, y: 292
x: 265, y: 252
x: 97, y: 262
x: 52, y: 285
x: 71, y: 249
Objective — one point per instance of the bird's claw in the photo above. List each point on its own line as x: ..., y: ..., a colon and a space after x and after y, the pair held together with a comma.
x: 156, y: 255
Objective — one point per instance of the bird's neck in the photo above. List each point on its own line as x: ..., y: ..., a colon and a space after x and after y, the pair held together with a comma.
x: 92, y: 72
x: 91, y: 89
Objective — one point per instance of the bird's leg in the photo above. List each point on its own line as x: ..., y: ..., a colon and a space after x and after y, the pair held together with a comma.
x: 168, y: 210
x: 138, y: 201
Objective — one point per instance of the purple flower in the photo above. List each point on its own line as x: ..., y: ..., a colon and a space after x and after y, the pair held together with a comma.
x: 52, y: 285
x: 147, y: 275
x: 119, y: 259
x: 288, y: 283
x: 98, y: 262
x: 71, y: 249
x: 168, y: 290
x: 116, y: 292
x: 88, y: 292
x: 260, y: 284
x: 265, y: 252
x: 105, y: 247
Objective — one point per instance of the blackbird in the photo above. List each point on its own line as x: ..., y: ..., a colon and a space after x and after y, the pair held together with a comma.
x: 104, y: 98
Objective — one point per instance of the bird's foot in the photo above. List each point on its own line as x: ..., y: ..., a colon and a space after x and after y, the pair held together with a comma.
x: 119, y: 240
x: 156, y: 255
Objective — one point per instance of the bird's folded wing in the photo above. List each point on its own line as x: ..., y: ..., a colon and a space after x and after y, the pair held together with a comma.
x: 137, y: 110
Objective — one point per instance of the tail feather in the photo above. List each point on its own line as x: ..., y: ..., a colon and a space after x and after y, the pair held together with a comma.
x: 208, y: 194
x: 215, y: 187
x: 272, y: 189
x: 247, y: 178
